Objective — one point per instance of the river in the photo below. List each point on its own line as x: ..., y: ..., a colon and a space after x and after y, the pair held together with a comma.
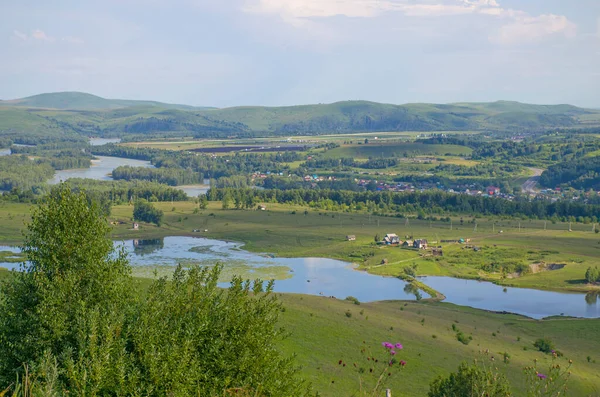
x: 103, y: 166
x: 328, y: 277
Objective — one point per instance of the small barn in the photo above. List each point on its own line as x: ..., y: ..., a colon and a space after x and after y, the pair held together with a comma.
x: 407, y: 243
x: 136, y: 226
x: 420, y: 244
x: 351, y: 237
x: 391, y: 239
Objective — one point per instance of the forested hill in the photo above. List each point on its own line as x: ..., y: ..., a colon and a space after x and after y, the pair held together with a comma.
x: 92, y: 115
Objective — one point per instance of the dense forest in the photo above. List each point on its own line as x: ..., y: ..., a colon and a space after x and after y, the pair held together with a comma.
x: 20, y: 172
x: 581, y: 174
x: 168, y: 175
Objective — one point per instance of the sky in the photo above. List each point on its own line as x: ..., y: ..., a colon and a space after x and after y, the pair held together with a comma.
x: 285, y: 52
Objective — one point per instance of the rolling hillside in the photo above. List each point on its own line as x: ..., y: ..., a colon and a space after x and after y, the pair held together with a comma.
x: 83, y: 101
x: 92, y: 115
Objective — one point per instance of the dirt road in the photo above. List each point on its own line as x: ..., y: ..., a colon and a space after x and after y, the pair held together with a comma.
x: 529, y: 185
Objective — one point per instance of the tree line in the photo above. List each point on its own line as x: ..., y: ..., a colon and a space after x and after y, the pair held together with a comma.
x: 428, y: 202
x: 168, y: 175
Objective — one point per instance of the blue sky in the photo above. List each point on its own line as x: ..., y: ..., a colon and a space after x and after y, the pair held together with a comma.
x: 285, y: 52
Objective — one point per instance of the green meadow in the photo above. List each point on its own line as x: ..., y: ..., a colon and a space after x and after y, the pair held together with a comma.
x: 324, y: 330
x: 556, y: 257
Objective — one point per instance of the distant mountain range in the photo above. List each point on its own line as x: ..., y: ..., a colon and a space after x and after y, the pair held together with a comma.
x: 90, y: 114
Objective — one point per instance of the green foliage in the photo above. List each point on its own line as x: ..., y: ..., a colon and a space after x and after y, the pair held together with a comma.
x: 353, y: 300
x: 70, y: 318
x: 550, y: 383
x: 169, y: 176
x: 22, y: 173
x: 71, y: 296
x: 544, y: 345
x: 145, y: 212
x: 592, y: 275
x: 471, y: 381
x: 191, y: 338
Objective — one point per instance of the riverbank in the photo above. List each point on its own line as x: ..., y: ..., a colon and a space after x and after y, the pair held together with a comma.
x: 287, y: 231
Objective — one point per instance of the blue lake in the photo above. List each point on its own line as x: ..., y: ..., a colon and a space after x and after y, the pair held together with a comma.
x: 328, y: 277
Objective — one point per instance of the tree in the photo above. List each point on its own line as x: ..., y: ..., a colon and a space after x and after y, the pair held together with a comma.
x: 377, y: 238
x: 544, y: 345
x: 470, y: 381
x: 226, y: 201
x: 71, y: 296
x: 145, y: 212
x: 592, y: 275
x: 72, y: 318
x: 202, y: 202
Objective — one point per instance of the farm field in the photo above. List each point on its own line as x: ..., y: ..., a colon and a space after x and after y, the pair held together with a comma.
x: 394, y: 149
x: 286, y: 231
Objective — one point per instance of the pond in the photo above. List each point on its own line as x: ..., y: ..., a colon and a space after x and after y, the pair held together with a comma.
x: 328, y: 277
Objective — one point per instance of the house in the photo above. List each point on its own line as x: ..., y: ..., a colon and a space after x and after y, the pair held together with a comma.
x: 407, y: 243
x: 420, y: 244
x: 262, y: 207
x: 493, y: 190
x: 351, y: 237
x: 136, y: 226
x: 391, y: 239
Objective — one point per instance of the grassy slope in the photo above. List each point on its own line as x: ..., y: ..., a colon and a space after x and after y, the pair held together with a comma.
x: 322, y: 335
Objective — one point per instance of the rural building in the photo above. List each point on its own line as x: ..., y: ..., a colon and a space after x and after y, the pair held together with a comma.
x: 407, y: 243
x: 420, y: 244
x: 384, y: 261
x: 391, y: 239
x: 493, y: 190
x: 136, y: 226
x: 262, y: 207
x: 351, y: 237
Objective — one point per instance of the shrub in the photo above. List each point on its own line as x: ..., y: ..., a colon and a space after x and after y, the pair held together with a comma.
x: 353, y: 300
x: 470, y: 381
x: 544, y: 345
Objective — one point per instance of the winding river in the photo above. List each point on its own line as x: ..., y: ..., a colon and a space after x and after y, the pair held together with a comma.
x: 328, y: 277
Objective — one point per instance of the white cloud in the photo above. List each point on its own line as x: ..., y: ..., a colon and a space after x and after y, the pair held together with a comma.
x: 19, y: 35
x: 41, y: 35
x: 532, y: 29
x: 72, y: 40
x: 519, y: 26
x: 35, y: 35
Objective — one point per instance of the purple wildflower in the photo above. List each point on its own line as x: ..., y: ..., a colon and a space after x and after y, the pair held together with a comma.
x: 541, y: 376
x: 392, y: 352
x: 399, y: 346
x: 388, y: 345
x: 402, y: 362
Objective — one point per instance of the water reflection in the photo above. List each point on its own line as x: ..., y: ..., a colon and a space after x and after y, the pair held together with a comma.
x: 591, y: 298
x: 146, y: 247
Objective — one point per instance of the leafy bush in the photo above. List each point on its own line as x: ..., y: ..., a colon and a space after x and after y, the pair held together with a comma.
x: 470, y: 381
x: 544, y: 345
x: 145, y: 212
x: 72, y: 319
x: 353, y: 300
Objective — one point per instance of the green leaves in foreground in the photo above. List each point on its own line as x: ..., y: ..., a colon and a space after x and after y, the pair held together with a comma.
x: 71, y: 318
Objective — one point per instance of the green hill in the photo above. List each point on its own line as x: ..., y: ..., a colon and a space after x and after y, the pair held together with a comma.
x: 83, y: 101
x: 92, y: 115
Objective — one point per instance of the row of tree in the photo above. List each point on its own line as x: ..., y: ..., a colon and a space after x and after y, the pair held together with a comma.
x: 429, y: 202
x: 172, y: 176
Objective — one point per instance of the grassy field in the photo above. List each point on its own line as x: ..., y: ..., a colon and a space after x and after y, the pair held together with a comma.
x: 394, y: 149
x: 287, y: 231
x: 322, y: 334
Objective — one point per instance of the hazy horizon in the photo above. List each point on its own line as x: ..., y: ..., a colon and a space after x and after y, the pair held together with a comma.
x: 293, y: 52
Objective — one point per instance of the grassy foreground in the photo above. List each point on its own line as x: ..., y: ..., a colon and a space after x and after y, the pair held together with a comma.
x: 321, y: 334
